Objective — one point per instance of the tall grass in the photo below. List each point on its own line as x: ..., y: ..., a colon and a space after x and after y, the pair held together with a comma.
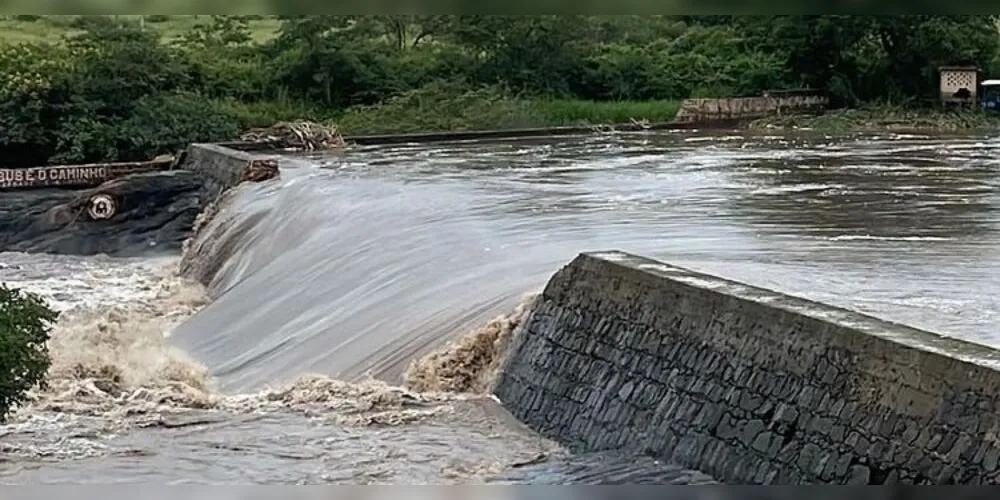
x: 577, y: 112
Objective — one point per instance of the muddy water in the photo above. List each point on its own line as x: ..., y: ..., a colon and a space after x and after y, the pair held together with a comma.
x: 353, y: 266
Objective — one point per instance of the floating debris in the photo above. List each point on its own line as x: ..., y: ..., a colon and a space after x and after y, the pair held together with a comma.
x: 301, y: 136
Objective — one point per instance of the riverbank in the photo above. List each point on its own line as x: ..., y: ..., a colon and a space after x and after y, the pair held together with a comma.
x: 431, y: 110
x: 882, y: 118
x: 434, y: 110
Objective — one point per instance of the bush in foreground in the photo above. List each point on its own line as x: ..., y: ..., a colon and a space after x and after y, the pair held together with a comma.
x: 25, y: 323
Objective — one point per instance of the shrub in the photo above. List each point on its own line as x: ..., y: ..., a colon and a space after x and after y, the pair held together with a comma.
x: 28, y: 100
x: 25, y: 323
x: 441, y: 106
x: 168, y: 123
x: 156, y: 125
x: 266, y: 113
x: 92, y: 22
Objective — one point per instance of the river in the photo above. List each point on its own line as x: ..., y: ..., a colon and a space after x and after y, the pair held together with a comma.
x: 289, y: 367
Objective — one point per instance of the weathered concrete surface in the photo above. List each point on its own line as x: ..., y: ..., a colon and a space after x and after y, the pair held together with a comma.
x: 223, y: 168
x: 154, y: 212
x: 75, y: 175
x: 748, y: 385
x: 746, y: 108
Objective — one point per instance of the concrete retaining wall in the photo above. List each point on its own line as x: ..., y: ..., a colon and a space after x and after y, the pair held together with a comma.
x: 223, y: 167
x: 746, y: 384
x: 75, y: 176
x: 746, y: 108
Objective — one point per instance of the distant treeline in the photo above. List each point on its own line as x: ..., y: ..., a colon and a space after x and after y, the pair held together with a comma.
x: 113, y: 91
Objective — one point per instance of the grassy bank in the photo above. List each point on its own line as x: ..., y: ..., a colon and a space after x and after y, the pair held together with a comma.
x: 463, y: 114
x: 15, y: 29
x: 430, y: 111
x: 882, y: 118
x: 93, y: 88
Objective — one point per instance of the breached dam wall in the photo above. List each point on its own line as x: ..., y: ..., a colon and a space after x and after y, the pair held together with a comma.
x: 746, y: 384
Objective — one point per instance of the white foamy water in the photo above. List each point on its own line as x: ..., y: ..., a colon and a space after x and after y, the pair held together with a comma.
x: 122, y: 401
x: 362, y: 265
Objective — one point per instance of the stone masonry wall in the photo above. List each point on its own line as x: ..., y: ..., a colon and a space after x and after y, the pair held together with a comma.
x: 748, y: 385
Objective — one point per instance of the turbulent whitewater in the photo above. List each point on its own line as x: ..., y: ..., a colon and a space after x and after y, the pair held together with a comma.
x: 343, y: 323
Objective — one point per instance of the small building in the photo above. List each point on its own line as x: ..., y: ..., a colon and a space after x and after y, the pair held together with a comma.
x: 959, y: 85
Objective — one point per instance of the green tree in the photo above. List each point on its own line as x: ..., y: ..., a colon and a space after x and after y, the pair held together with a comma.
x: 865, y: 58
x: 118, y: 64
x: 25, y: 323
x: 914, y: 47
x: 407, y: 32
x: 222, y: 32
x: 535, y: 54
x: 29, y: 92
x: 335, y: 61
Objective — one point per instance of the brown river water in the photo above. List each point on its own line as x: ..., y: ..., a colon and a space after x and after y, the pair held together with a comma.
x: 296, y: 364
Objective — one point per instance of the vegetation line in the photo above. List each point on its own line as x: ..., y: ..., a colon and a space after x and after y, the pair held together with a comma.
x: 89, y: 89
x: 81, y: 89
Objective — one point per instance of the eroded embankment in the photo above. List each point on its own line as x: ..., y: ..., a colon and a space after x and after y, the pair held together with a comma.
x: 746, y: 384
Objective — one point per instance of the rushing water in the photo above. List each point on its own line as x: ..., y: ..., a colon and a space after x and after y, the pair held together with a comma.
x: 352, y: 266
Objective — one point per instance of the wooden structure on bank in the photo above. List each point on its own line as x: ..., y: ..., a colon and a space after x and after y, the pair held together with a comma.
x: 959, y: 85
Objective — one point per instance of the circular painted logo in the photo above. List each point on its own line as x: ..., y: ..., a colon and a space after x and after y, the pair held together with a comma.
x: 101, y: 207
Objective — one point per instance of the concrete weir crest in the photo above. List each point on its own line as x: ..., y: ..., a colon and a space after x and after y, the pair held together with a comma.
x: 747, y: 384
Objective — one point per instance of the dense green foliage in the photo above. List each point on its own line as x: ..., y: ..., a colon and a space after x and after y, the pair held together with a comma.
x: 112, y: 90
x: 25, y: 322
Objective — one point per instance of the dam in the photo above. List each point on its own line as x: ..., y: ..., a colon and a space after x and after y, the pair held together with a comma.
x: 289, y: 358
x: 751, y: 386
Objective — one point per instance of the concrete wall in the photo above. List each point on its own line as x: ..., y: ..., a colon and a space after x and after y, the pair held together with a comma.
x: 224, y: 167
x: 745, y: 108
x: 221, y: 168
x: 746, y: 384
x: 75, y: 176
